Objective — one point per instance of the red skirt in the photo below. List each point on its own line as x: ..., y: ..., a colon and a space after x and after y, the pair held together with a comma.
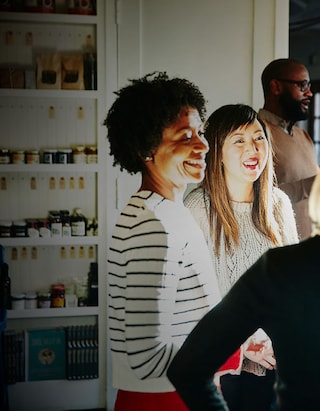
x: 149, y: 401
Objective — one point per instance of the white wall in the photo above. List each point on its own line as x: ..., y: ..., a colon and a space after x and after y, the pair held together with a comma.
x: 221, y: 45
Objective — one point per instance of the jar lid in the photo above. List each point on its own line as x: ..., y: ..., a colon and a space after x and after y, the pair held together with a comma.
x: 58, y: 286
x: 30, y: 295
x: 18, y: 296
x: 79, y: 148
x: 5, y: 223
x: 44, y: 293
x: 65, y: 150
x: 50, y: 150
x: 19, y: 222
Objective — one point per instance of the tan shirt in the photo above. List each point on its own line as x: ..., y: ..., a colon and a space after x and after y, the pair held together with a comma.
x: 295, y: 165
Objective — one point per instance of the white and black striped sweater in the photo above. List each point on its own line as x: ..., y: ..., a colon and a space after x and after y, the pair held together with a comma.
x: 160, y: 283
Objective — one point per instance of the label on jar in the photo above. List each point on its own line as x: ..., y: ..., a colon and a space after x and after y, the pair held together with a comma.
x: 18, y: 157
x: 49, y: 156
x: 78, y: 228
x: 4, y: 156
x: 33, y: 157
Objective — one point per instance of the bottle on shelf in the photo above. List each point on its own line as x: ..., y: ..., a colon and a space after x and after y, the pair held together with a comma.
x: 78, y: 223
x: 5, y: 283
x: 93, y: 285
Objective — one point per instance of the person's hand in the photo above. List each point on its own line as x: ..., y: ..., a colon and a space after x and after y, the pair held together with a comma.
x: 260, y: 351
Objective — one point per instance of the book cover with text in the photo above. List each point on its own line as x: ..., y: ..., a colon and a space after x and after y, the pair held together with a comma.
x: 46, y: 354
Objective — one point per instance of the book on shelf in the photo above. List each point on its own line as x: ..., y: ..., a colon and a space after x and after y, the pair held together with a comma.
x: 82, y: 352
x: 14, y: 356
x: 51, y: 353
x: 46, y: 354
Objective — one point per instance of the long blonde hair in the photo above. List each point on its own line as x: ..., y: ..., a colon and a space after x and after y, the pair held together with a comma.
x: 219, y: 125
x: 314, y: 205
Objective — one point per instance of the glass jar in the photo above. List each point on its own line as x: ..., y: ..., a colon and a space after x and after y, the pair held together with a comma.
x: 78, y: 223
x: 44, y: 299
x: 57, y: 295
x: 49, y: 156
x: 18, y: 157
x: 31, y: 300
x: 33, y: 157
x: 64, y: 156
x: 79, y: 155
x: 18, y: 301
x: 4, y: 156
x: 92, y: 154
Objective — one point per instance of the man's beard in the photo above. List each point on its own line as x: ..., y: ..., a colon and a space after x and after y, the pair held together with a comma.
x: 292, y: 108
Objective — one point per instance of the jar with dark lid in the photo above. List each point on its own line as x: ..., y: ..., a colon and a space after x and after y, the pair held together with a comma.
x: 55, y: 223
x: 44, y: 299
x: 78, y: 223
x: 5, y: 228
x: 64, y: 156
x: 57, y: 295
x: 49, y: 156
x: 66, y: 224
x: 19, y: 228
x: 5, y: 157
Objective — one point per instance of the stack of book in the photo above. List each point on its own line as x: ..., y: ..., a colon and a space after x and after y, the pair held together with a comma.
x: 51, y: 354
x: 82, y: 352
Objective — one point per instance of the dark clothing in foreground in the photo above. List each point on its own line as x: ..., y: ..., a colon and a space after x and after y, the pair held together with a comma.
x: 279, y: 293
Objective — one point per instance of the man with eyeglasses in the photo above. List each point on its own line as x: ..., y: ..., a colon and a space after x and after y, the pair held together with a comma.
x: 287, y: 95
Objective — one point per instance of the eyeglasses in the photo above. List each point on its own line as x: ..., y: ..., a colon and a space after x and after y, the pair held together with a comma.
x: 303, y: 85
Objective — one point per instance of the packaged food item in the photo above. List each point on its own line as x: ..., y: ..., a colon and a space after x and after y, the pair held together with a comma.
x: 19, y: 228
x: 18, y: 301
x: 57, y: 295
x: 44, y: 299
x: 55, y: 222
x: 31, y: 300
x: 72, y: 72
x: 66, y: 224
x: 32, y: 228
x: 82, y: 7
x: 18, y: 157
x: 11, y: 76
x: 5, y: 156
x: 32, y: 157
x: 5, y: 228
x: 40, y: 6
x: 49, y: 71
x: 49, y: 156
x: 64, y: 156
x: 78, y: 223
x: 92, y: 154
x: 90, y: 70
x: 44, y: 227
x: 79, y: 155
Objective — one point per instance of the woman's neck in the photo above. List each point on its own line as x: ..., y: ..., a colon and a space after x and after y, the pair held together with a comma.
x: 241, y: 193
x: 166, y: 190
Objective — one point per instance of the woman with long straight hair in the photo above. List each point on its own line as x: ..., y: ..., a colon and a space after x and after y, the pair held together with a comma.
x: 242, y: 214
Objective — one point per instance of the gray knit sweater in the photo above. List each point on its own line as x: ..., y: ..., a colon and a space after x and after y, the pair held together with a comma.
x: 252, y: 244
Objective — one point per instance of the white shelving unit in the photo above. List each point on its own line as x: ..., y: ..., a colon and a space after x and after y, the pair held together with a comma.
x: 39, y: 118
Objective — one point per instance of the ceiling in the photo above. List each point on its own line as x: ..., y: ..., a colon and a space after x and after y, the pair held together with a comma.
x: 304, y: 14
